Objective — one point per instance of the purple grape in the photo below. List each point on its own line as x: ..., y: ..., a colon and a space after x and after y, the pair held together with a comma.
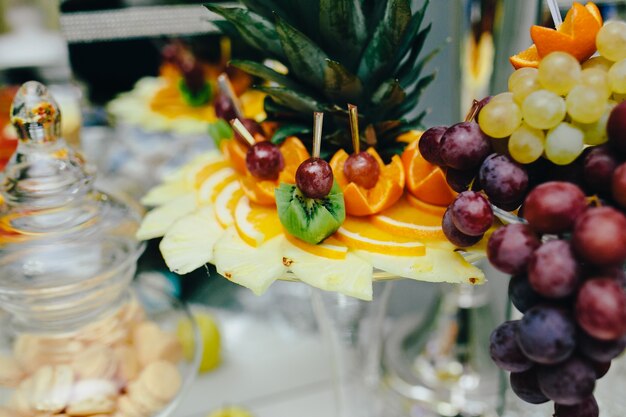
x: 618, y: 185
x: 554, y: 206
x: 601, y: 368
x: 265, y: 161
x: 569, y: 382
x: 224, y: 108
x: 460, y: 181
x: 503, y: 179
x: 429, y: 145
x: 471, y: 213
x: 587, y: 408
x: 599, y: 164
x: 504, y: 349
x: 616, y: 128
x: 553, y: 271
x: 464, y: 146
x: 510, y: 248
x: 526, y: 386
x: 522, y: 295
x: 314, y: 177
x: 599, y: 237
x: 601, y: 308
x: 454, y: 235
x: 600, y: 350
x: 546, y: 334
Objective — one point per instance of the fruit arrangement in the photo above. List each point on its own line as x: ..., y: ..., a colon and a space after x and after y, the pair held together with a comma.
x: 551, y: 151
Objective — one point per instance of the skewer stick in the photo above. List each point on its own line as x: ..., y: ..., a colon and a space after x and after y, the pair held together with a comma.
x: 354, y: 127
x: 225, y: 85
x: 243, y: 132
x: 553, y: 5
x: 317, y: 133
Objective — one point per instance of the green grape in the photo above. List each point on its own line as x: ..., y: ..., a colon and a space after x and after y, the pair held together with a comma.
x: 564, y: 144
x: 595, y: 133
x: 499, y: 118
x: 502, y: 97
x: 543, y: 109
x: 559, y: 72
x: 611, y: 41
x: 598, y: 62
x: 523, y: 82
x: 585, y: 104
x: 526, y: 144
x: 617, y: 77
x: 596, y: 78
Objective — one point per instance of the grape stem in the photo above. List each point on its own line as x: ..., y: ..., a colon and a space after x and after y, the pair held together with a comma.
x: 243, y: 132
x: 473, y: 111
x: 318, y: 118
x: 594, y: 200
x: 227, y: 88
x: 354, y: 127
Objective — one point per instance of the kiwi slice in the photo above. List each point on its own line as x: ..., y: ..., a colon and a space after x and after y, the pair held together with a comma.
x: 310, y: 219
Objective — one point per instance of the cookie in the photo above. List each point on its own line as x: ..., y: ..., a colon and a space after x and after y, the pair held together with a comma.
x: 5, y: 412
x: 127, y: 408
x: 11, y: 373
x: 95, y: 362
x: 127, y: 364
x: 52, y: 388
x: 161, y: 380
x: 153, y: 344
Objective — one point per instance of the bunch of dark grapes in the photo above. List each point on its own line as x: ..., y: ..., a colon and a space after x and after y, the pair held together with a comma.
x: 569, y: 284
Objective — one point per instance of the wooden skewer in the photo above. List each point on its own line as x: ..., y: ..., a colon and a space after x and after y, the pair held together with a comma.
x: 354, y: 128
x: 243, y: 132
x: 225, y: 85
x: 553, y: 5
x: 317, y: 133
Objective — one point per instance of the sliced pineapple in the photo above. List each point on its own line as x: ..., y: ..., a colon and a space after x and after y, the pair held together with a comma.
x: 187, y: 173
x: 437, y: 265
x: 164, y: 193
x: 189, y: 243
x: 351, y: 276
x: 158, y: 220
x: 253, y: 267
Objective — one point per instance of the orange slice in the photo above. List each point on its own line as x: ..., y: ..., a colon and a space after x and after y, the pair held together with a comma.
x: 331, y: 247
x: 208, y: 170
x: 360, y: 233
x: 364, y: 202
x: 169, y: 102
x: 235, y: 152
x: 256, y: 224
x: 404, y: 219
x: 225, y: 203
x: 211, y: 187
x: 425, y: 180
x: 527, y: 58
x: 262, y: 191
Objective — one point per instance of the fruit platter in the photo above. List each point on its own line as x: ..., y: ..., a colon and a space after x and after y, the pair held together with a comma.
x: 534, y: 179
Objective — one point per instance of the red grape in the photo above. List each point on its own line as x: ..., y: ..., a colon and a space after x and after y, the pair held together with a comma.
x: 504, y: 349
x: 458, y: 180
x: 454, y: 235
x: 224, y: 108
x: 265, y: 161
x: 601, y: 308
x: 616, y: 128
x: 471, y: 213
x: 362, y: 169
x: 314, y: 178
x: 553, y: 271
x: 546, y: 334
x: 510, y: 248
x: 567, y: 383
x: 599, y: 237
x: 600, y: 350
x: 587, y: 408
x: 464, y: 146
x: 429, y: 145
x: 618, y: 185
x: 521, y: 293
x: 503, y: 179
x: 598, y: 166
x: 526, y: 386
x: 553, y: 207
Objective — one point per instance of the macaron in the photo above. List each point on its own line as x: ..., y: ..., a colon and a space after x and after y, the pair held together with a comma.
x: 52, y: 388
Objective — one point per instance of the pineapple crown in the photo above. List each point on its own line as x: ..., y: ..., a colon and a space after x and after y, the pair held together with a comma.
x: 365, y: 52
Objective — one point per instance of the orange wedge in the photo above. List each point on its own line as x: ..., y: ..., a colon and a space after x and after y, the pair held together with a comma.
x: 404, y: 219
x: 262, y: 191
x: 225, y: 203
x: 576, y: 36
x: 364, y: 202
x: 361, y: 233
x: 256, y: 224
x: 410, y: 136
x: 331, y: 247
x: 424, y: 180
x: 235, y: 152
x: 213, y: 185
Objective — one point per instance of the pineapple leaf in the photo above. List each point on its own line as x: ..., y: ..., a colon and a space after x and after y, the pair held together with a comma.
x: 343, y: 29
x: 413, y: 97
x: 227, y: 28
x: 389, y: 95
x: 265, y: 8
x: 291, y: 99
x: 386, y: 39
x: 287, y: 130
x: 410, y: 72
x: 259, y: 70
x: 412, y: 31
x: 306, y: 59
x: 254, y: 29
x: 340, y: 84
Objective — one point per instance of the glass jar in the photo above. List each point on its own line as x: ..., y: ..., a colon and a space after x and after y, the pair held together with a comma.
x: 75, y: 339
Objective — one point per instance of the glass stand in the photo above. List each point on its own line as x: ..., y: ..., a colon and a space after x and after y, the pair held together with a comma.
x: 352, y: 330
